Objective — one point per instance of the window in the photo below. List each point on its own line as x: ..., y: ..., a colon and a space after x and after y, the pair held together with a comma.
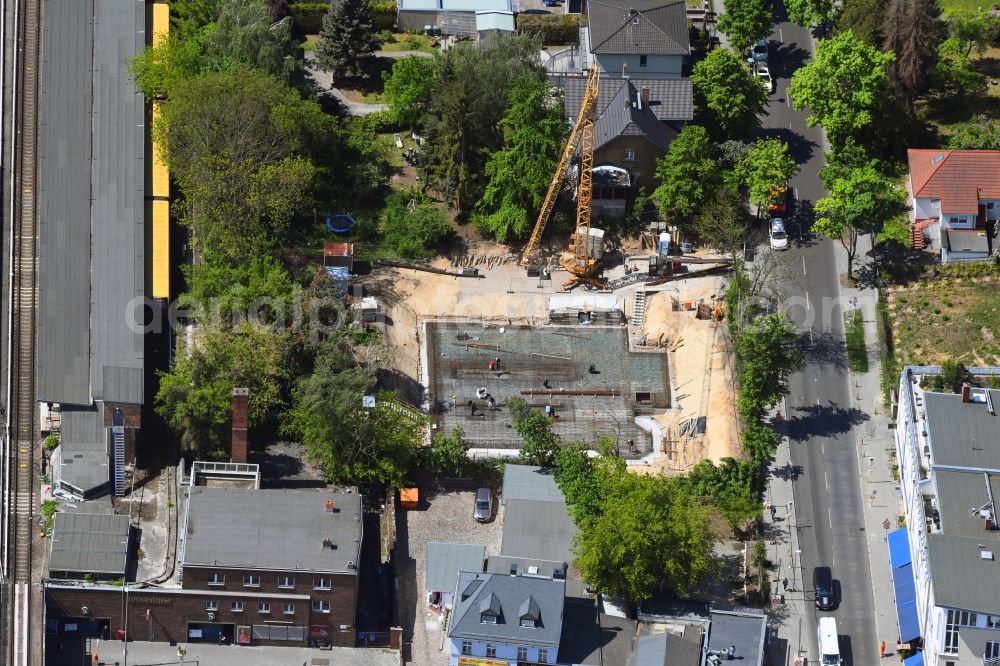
x: 286, y: 582
x: 466, y: 647
x: 528, y: 622
x: 321, y: 583
x: 251, y: 581
x: 956, y: 619
x: 989, y: 205
x: 236, y: 606
x: 263, y: 608
x: 288, y: 609
x: 321, y: 606
x: 993, y: 621
x: 217, y: 579
x: 992, y: 650
x: 543, y: 656
x: 642, y: 59
x: 491, y: 650
x: 486, y: 618
x: 629, y: 154
x: 522, y: 654
x: 212, y: 605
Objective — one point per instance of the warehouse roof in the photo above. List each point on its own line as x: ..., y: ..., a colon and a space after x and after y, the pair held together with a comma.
x: 89, y: 543
x: 240, y: 528
x: 83, y: 449
x: 528, y: 482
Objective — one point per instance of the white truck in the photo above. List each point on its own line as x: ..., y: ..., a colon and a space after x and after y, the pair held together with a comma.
x: 826, y: 640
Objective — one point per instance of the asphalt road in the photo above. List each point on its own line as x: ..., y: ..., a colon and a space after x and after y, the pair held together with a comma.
x: 828, y: 502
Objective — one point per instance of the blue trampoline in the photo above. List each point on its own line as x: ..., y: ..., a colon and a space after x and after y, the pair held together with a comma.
x: 340, y: 223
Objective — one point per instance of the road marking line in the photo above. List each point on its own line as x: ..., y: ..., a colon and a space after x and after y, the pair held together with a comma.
x: 804, y: 270
x: 807, y: 293
x: 781, y: 37
x: 829, y: 514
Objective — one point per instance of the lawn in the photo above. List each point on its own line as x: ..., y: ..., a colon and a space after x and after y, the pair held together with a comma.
x: 857, y: 352
x: 404, y: 41
x: 940, y: 318
x: 963, y: 5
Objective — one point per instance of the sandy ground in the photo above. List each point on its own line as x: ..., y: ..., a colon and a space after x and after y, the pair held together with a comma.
x: 701, y: 359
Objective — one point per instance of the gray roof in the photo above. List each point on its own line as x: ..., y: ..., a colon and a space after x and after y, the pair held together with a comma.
x: 961, y: 240
x: 445, y: 560
x: 744, y: 630
x: 959, y: 497
x: 89, y: 543
x: 91, y: 211
x: 642, y: 27
x: 527, y: 482
x: 538, y: 530
x: 627, y: 116
x: 961, y: 578
x: 963, y: 434
x: 85, y: 463
x: 665, y: 649
x: 504, y: 595
x: 239, y: 528
x: 63, y: 323
x: 669, y: 99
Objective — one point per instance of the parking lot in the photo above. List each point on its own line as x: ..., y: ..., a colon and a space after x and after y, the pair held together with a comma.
x: 446, y: 517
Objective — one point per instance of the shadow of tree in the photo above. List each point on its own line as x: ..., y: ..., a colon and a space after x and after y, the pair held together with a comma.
x: 823, y: 421
x: 799, y: 148
x: 787, y: 472
x: 823, y: 348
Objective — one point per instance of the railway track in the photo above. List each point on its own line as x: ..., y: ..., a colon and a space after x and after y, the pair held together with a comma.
x: 22, y: 635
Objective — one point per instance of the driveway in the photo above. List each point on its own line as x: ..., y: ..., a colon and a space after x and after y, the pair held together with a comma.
x: 446, y: 517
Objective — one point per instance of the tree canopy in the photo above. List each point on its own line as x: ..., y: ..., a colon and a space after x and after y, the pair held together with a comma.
x: 842, y: 87
x: 745, y: 21
x: 980, y: 133
x: 766, y: 167
x: 911, y: 33
x: 520, y: 172
x: 688, y: 174
x: 808, y: 13
x: 729, y: 100
x: 408, y: 88
x: 768, y: 355
x: 541, y: 445
x: 347, y: 40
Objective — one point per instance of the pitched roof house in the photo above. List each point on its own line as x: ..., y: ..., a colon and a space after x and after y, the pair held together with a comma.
x: 955, y: 197
x: 639, y: 37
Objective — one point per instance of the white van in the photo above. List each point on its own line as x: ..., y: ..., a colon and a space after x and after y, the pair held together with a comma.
x: 826, y: 639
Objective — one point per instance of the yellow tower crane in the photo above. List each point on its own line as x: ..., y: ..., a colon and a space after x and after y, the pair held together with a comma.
x: 577, y: 260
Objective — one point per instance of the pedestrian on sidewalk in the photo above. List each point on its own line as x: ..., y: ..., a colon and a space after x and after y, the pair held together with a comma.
x: 881, y: 650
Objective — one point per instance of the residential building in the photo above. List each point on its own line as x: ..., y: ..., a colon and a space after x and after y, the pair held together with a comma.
x: 90, y: 546
x: 945, y: 560
x: 456, y: 17
x: 955, y: 202
x: 641, y: 38
x: 254, y: 567
x: 509, y: 619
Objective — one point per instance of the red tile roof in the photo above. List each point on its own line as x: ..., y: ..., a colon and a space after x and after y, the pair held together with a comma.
x: 338, y: 249
x: 959, y: 178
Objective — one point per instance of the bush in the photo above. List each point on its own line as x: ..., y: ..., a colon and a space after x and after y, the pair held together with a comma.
x: 307, y: 17
x: 383, y: 15
x: 412, y: 225
x: 51, y: 442
x: 553, y: 29
x: 378, y: 122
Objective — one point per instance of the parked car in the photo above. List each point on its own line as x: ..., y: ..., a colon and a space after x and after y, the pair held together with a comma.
x: 763, y: 74
x: 778, y: 201
x: 484, y: 505
x: 823, y: 586
x: 759, y: 52
x: 779, y: 239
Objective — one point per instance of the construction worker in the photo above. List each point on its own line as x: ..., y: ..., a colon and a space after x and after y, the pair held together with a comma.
x: 881, y: 649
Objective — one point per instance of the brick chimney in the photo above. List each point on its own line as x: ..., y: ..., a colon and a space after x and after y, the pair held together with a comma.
x: 238, y: 449
x: 645, y: 96
x: 966, y: 393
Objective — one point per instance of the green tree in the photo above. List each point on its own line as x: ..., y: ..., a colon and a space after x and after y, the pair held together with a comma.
x: 244, y: 35
x: 808, y: 13
x: 260, y: 287
x: 971, y: 29
x: 165, y: 64
x: 586, y: 480
x: 519, y: 173
x: 540, y: 445
x: 649, y: 533
x: 688, y: 174
x: 865, y: 18
x: 188, y: 17
x: 980, y: 133
x: 745, y: 21
x: 722, y: 222
x: 195, y: 396
x: 768, y: 354
x: 354, y: 446
x: 860, y: 201
x: 728, y: 98
x: 767, y: 167
x: 842, y: 87
x: 952, y: 376
x: 953, y: 77
x: 449, y: 453
x: 911, y: 34
x: 347, y: 40
x: 411, y: 225
x: 408, y: 88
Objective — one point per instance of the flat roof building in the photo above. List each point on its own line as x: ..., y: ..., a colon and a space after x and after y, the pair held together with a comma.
x: 86, y: 544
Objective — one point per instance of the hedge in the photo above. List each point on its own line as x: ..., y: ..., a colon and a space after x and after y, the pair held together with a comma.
x: 307, y: 17
x: 554, y: 29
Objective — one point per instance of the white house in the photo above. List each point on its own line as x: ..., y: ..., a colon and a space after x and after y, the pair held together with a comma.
x: 946, y: 560
x: 955, y: 199
x: 463, y: 18
x: 506, y: 619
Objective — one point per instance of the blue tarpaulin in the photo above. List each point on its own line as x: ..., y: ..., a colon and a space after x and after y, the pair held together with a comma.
x: 339, y: 275
x: 902, y: 583
x: 915, y: 660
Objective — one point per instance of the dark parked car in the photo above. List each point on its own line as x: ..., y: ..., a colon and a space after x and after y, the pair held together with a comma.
x: 823, y: 584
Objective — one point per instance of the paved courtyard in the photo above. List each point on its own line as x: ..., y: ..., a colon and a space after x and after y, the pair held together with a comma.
x: 446, y: 517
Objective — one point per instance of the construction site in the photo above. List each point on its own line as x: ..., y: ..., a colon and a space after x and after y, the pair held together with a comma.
x: 625, y: 341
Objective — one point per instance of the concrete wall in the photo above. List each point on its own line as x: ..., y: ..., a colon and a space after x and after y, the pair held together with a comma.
x: 926, y: 209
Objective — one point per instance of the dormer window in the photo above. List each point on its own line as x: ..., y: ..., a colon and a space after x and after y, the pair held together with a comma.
x: 487, y: 618
x: 529, y: 613
x: 527, y: 622
x: 489, y: 609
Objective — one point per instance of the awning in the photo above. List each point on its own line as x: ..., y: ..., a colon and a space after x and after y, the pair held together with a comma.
x: 915, y: 660
x: 902, y: 583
